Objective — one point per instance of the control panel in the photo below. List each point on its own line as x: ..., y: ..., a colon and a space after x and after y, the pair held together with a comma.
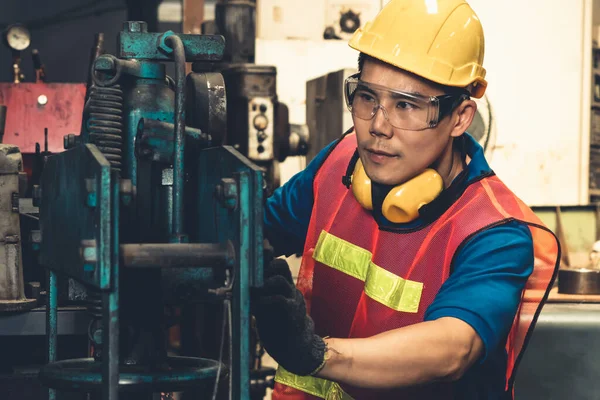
x: 261, y: 128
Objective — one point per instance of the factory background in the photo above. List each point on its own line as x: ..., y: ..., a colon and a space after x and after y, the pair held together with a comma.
x: 539, y: 120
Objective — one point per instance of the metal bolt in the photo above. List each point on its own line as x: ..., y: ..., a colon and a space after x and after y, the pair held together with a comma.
x: 35, y: 236
x: 227, y: 193
x: 167, y: 177
x: 90, y: 187
x: 42, y: 100
x: 162, y: 42
x: 127, y: 191
x: 70, y: 141
x: 125, y: 186
x: 88, y: 251
x: 135, y: 27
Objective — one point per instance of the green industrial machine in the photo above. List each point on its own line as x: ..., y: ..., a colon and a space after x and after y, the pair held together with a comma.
x: 147, y: 213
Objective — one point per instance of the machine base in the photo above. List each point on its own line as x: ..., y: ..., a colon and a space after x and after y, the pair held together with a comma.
x: 180, y: 373
x: 7, y: 306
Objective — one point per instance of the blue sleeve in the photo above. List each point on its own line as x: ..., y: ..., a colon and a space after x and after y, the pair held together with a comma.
x: 287, y: 212
x: 484, y: 290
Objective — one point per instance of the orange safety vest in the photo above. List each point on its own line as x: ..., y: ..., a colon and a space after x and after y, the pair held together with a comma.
x: 359, y: 280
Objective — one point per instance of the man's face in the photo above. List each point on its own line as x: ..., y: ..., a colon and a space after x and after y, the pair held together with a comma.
x: 392, y: 155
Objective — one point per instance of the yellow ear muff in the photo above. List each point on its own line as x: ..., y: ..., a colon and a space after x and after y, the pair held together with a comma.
x: 361, y: 186
x: 402, y: 203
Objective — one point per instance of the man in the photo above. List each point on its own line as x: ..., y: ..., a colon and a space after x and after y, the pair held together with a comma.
x: 415, y: 255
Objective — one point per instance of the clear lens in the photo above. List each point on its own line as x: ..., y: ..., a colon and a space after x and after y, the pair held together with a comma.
x: 403, y: 110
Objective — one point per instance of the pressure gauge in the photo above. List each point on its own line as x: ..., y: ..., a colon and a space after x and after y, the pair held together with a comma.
x: 17, y: 37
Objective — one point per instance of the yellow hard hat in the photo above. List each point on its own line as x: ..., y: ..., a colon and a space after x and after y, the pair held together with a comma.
x: 439, y: 40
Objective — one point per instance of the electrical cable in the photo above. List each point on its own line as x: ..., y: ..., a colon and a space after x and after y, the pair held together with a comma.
x: 216, y: 387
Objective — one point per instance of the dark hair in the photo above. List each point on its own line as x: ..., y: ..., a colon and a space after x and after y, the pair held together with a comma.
x: 361, y: 61
x: 452, y: 90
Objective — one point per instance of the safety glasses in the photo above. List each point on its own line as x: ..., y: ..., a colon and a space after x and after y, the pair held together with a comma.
x: 409, y: 111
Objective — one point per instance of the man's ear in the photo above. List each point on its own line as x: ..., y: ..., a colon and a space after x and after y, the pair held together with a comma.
x: 463, y: 116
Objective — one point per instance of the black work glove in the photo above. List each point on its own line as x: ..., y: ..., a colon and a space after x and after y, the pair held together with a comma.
x: 284, y: 328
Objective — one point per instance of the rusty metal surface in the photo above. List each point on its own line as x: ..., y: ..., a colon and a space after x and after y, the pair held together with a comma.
x: 28, y: 113
x: 12, y: 288
x: 207, y: 104
x: 143, y: 46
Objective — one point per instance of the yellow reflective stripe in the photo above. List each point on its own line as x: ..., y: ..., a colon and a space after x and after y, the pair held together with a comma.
x: 381, y: 285
x: 318, y: 387
x: 393, y: 291
x: 342, y: 255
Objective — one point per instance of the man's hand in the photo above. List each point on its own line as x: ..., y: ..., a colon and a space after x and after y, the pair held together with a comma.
x: 284, y: 328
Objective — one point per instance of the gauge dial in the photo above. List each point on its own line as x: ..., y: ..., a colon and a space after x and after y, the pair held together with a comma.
x: 18, y: 37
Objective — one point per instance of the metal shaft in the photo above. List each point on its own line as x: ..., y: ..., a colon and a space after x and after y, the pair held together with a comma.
x: 176, y: 255
x: 2, y: 122
x: 179, y: 57
x: 52, y: 323
x: 95, y: 52
x: 110, y: 308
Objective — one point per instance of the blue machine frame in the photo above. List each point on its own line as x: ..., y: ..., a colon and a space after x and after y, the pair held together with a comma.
x: 87, y: 201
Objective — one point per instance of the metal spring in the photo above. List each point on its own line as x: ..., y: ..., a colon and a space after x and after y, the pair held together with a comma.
x: 104, y: 110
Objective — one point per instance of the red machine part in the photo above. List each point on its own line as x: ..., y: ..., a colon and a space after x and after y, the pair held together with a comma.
x: 32, y: 107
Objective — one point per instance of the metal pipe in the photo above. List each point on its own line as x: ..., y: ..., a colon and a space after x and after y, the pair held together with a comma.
x: 3, y: 110
x: 110, y: 308
x: 155, y: 139
x: 95, y: 52
x: 52, y: 323
x: 148, y: 127
x: 176, y: 44
x: 177, y: 255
